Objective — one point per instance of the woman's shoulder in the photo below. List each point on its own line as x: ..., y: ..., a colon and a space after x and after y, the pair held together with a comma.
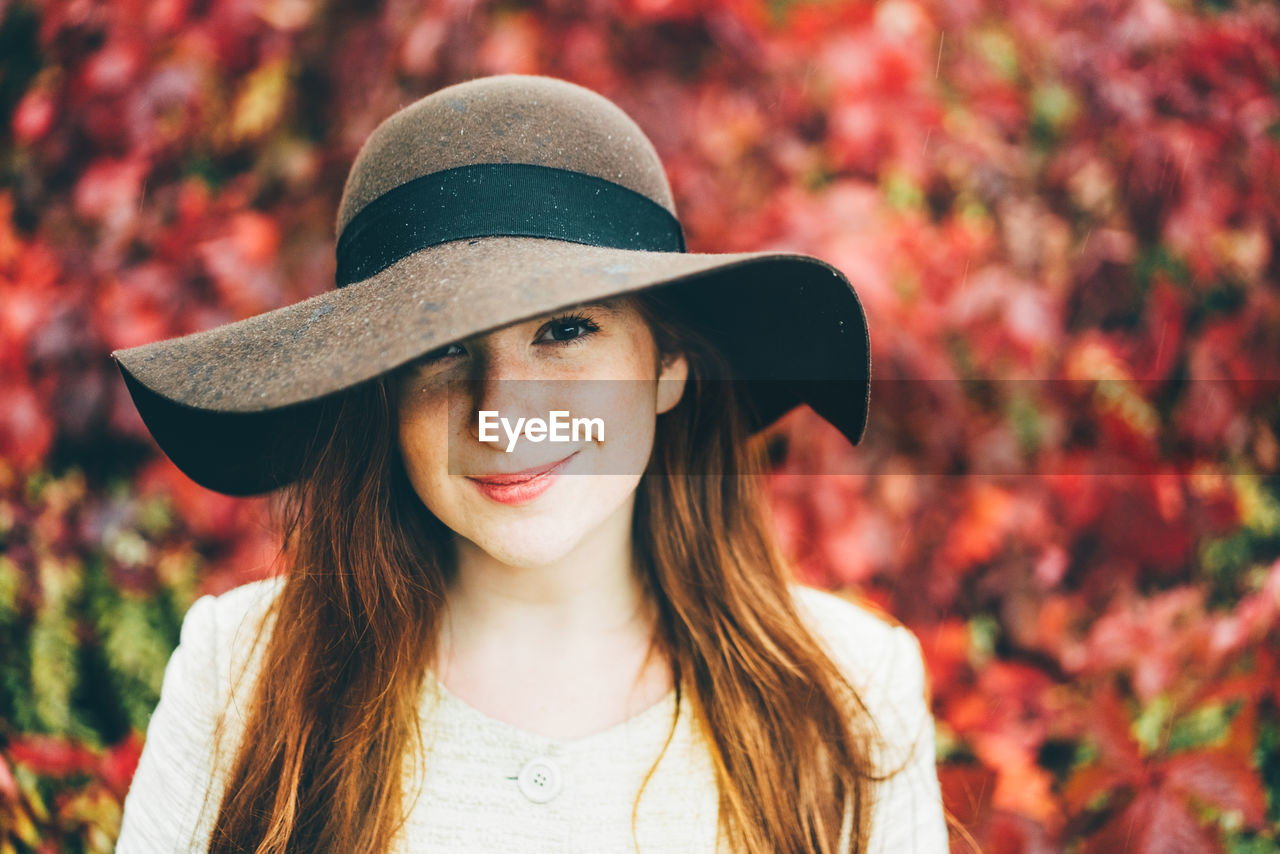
x: 232, y: 611
x: 844, y: 609
x: 223, y: 629
x: 851, y: 627
x: 245, y: 601
x: 170, y: 804
x: 235, y: 607
x: 884, y: 661
x: 881, y: 657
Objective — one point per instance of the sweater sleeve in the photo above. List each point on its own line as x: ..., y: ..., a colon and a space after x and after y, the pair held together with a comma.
x: 907, y: 814
x: 171, y: 787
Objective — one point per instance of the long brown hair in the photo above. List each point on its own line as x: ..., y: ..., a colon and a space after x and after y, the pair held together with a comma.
x: 353, y: 632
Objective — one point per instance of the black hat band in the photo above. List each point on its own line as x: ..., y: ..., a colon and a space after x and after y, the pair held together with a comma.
x: 501, y: 199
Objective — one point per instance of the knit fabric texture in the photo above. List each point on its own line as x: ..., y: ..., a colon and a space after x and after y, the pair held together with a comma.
x: 486, y: 786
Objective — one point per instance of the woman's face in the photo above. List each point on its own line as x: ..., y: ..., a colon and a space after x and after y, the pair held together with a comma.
x: 468, y: 454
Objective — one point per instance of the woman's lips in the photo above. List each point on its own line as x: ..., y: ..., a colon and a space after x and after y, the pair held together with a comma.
x: 522, y: 486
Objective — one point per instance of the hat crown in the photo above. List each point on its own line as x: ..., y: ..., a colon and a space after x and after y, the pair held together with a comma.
x: 508, y: 118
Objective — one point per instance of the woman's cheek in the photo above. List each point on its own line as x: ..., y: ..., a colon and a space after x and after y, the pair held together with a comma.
x: 629, y: 429
x: 425, y: 457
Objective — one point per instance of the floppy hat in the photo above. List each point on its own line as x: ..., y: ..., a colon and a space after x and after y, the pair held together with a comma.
x: 486, y: 203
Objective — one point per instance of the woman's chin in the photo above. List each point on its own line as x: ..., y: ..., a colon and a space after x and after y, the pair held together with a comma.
x: 527, y: 546
x: 546, y: 529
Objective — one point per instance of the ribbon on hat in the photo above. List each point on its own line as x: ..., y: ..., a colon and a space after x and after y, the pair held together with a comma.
x: 501, y: 199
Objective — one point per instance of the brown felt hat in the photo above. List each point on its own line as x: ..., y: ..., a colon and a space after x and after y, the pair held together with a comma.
x: 489, y: 202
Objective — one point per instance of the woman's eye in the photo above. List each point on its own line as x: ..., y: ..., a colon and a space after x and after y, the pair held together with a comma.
x: 569, y: 329
x: 442, y: 353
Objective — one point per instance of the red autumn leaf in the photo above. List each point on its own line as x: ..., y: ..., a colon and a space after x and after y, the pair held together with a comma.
x: 119, y: 762
x: 1009, y: 833
x: 981, y: 529
x: 1140, y: 526
x: 136, y: 307
x: 8, y: 783
x: 420, y: 50
x: 967, y: 791
x: 1220, y: 511
x: 1088, y: 783
x: 53, y: 756
x: 109, y: 191
x: 33, y: 116
x: 242, y: 260
x: 26, y: 432
x: 1155, y: 822
x: 946, y: 648
x: 1219, y: 779
x: 1109, y: 724
x: 112, y: 68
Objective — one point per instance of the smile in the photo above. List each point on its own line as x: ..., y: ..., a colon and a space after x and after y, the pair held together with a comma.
x: 522, y: 486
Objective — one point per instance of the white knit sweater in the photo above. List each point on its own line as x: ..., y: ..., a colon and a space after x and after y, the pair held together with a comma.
x: 488, y: 786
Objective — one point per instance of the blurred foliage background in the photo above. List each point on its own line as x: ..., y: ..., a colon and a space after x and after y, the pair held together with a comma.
x: 1061, y: 217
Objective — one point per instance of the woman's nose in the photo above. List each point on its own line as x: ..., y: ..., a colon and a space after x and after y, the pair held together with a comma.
x: 504, y: 384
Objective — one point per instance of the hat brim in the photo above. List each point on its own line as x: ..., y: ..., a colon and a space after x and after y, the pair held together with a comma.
x: 231, y: 405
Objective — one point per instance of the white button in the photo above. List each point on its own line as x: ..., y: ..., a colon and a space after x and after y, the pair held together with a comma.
x: 540, y: 780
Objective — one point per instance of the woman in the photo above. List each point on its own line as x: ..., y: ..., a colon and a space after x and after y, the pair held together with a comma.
x: 488, y: 638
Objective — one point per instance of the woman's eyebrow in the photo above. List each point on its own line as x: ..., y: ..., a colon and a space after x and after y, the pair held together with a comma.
x: 609, y: 307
